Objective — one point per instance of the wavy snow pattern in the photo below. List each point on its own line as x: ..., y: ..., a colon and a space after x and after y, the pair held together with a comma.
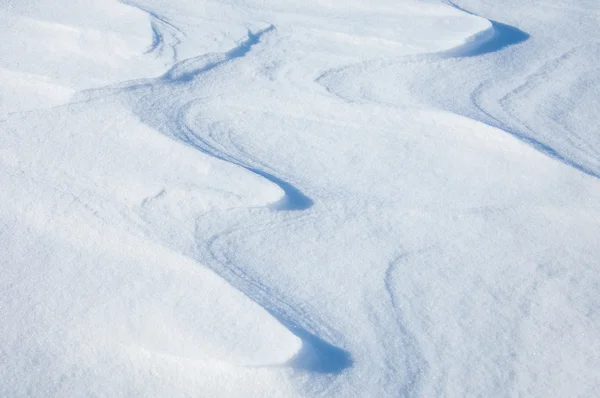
x: 166, y: 99
x: 173, y: 104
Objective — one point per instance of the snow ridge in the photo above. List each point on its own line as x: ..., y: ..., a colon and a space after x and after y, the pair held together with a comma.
x: 164, y: 33
x: 283, y: 198
x: 166, y: 99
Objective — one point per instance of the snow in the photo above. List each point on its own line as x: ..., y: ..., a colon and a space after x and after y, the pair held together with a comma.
x: 281, y: 198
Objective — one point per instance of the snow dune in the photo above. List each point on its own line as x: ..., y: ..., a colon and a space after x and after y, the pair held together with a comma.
x: 281, y: 198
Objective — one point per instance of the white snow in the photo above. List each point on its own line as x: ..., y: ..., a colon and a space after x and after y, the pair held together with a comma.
x: 280, y: 198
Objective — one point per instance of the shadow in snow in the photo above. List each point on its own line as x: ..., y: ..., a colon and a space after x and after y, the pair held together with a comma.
x: 187, y: 70
x: 157, y: 38
x: 152, y: 14
x: 316, y: 355
x: 159, y: 23
x: 503, y: 36
x: 293, y: 199
x: 551, y: 152
x: 246, y: 46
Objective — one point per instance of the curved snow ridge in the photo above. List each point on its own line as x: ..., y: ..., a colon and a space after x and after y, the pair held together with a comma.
x: 574, y: 151
x: 315, y: 355
x: 187, y: 70
x: 164, y: 104
x: 495, y: 38
x: 292, y: 199
x: 177, y: 290
x: 563, y: 130
x: 84, y: 47
x: 167, y: 105
x: 161, y: 27
x: 546, y: 148
x: 472, y: 43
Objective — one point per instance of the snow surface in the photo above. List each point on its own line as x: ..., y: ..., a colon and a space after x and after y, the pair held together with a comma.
x: 326, y: 198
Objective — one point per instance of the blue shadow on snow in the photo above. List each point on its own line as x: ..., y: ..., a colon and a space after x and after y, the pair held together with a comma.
x: 195, y: 66
x: 504, y: 36
x: 316, y: 355
x: 294, y: 199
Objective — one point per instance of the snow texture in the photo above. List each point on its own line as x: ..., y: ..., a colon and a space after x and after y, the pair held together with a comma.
x: 286, y: 198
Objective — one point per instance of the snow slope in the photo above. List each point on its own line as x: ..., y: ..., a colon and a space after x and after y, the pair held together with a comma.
x: 280, y: 198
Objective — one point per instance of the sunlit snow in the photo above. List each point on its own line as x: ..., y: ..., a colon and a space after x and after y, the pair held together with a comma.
x: 277, y: 198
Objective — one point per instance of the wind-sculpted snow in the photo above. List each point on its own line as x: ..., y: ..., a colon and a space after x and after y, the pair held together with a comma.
x: 283, y: 198
x: 164, y: 33
x: 504, y: 68
x: 172, y: 104
x: 499, y: 36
